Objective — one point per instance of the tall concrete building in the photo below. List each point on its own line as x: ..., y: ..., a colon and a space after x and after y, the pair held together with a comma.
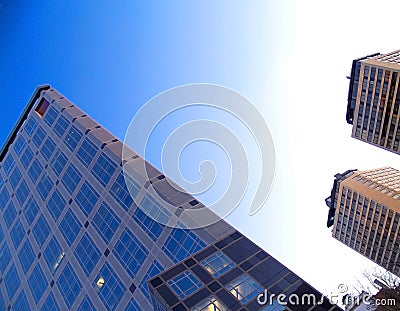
x: 364, y: 213
x: 374, y: 100
x: 75, y: 235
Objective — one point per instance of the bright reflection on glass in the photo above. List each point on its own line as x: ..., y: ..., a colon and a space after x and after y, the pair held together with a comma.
x: 210, y: 304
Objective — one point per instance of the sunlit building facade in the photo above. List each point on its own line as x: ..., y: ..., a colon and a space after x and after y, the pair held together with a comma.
x: 72, y: 237
x: 374, y: 100
x: 364, y: 213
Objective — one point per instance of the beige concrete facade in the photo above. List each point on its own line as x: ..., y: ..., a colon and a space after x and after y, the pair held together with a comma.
x: 367, y: 215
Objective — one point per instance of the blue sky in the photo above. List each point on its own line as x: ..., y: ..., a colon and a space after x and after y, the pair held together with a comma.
x: 289, y: 59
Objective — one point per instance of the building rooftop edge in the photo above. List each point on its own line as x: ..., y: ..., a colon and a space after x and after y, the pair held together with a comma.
x: 21, y: 119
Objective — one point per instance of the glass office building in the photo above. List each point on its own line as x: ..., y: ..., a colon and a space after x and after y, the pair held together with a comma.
x: 73, y: 238
x: 374, y: 100
x: 364, y: 213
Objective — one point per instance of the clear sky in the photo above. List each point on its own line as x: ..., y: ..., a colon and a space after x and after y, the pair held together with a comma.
x: 290, y: 58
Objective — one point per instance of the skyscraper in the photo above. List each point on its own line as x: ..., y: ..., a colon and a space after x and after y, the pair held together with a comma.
x: 72, y: 235
x: 374, y: 100
x: 364, y: 210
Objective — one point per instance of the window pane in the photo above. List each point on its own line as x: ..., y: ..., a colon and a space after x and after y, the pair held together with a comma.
x: 73, y: 137
x: 244, y: 288
x: 69, y: 285
x: 70, y: 227
x: 217, y: 264
x: 71, y: 178
x: 184, y: 284
x: 86, y: 152
x: 53, y: 255
x: 103, y: 169
x: 106, y: 222
x: 130, y: 252
x: 87, y: 254
x: 111, y: 289
x: 41, y: 230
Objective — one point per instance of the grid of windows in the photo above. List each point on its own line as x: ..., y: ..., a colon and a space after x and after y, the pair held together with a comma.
x: 181, y: 243
x: 61, y: 126
x: 44, y: 186
x: 56, y: 205
x: 86, y: 198
x: 103, y: 169
x: 86, y: 152
x: 217, y: 264
x: 112, y: 290
x: 106, y: 222
x: 39, y: 136
x: 86, y: 305
x: 12, y: 281
x: 154, y: 269
x: 50, y: 116
x: 130, y: 252
x: 151, y: 227
x: 87, y: 254
x: 35, y: 170
x: 244, y: 288
x: 19, y: 144
x: 8, y: 164
x: 26, y: 256
x: 73, y: 137
x: 31, y: 209
x: 9, y: 214
x: 70, y: 227
x: 17, y: 234
x: 50, y: 304
x: 37, y: 283
x: 184, y: 284
x: 5, y: 257
x: 69, y: 285
x: 58, y: 163
x: 120, y: 192
x: 53, y: 255
x: 48, y: 148
x: 27, y: 157
x: 22, y: 192
x: 30, y: 126
x: 71, y: 178
x: 41, y: 230
x: 21, y: 303
x: 4, y: 197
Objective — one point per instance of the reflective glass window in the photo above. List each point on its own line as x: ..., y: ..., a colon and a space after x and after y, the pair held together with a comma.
x: 86, y: 198
x: 103, y: 169
x: 53, y: 254
x: 72, y: 138
x: 130, y: 252
x: 69, y: 285
x: 106, y: 222
x: 61, y: 126
x: 71, y: 178
x: 41, y: 230
x: 110, y: 288
x: 12, y: 281
x: 31, y: 209
x: 37, y: 283
x: 86, y: 152
x: 87, y: 254
x: 26, y: 256
x: 184, y: 284
x: 70, y: 227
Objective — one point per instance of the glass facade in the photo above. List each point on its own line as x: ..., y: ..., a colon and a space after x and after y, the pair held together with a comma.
x: 71, y: 234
